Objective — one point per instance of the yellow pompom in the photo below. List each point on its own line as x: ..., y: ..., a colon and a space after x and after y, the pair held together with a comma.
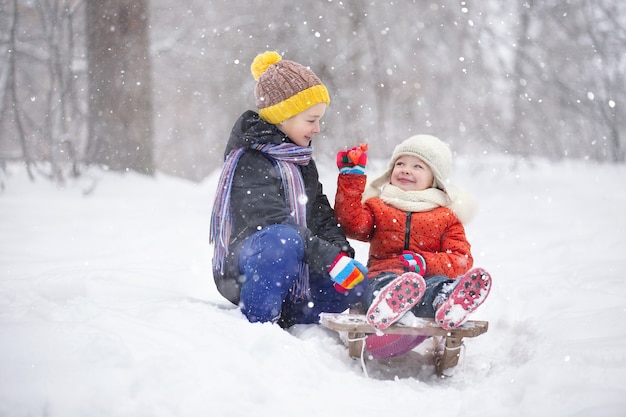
x: 263, y: 61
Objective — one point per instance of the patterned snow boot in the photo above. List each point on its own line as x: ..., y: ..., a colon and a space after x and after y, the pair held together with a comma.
x: 395, y: 299
x: 465, y: 296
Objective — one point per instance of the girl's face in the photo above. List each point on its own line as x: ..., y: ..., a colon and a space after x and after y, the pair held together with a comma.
x: 303, y: 126
x: 410, y: 173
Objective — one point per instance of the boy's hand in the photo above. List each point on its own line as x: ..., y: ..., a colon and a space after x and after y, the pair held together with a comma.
x: 346, y: 272
x: 353, y: 160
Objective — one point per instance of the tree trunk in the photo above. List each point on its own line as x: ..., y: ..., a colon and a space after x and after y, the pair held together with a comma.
x: 120, y: 91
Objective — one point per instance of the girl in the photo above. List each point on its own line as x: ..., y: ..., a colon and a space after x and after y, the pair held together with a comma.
x: 419, y: 257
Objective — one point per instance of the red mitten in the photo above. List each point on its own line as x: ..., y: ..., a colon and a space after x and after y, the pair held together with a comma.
x: 353, y: 160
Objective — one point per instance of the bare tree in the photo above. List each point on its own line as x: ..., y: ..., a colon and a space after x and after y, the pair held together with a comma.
x: 545, y: 78
x: 120, y: 88
x: 601, y: 23
x: 571, y: 57
x: 10, y: 85
x: 63, y: 126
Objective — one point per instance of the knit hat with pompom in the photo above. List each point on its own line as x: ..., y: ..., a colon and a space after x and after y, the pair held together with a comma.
x: 284, y: 88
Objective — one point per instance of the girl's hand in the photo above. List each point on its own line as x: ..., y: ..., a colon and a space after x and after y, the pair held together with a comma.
x: 353, y: 160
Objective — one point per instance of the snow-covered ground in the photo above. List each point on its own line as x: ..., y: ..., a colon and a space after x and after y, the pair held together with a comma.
x: 108, y: 308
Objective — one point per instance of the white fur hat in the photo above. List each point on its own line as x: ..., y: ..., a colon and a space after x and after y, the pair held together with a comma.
x: 430, y: 150
x: 438, y: 156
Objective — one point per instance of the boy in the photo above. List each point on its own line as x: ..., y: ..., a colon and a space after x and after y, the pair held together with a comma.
x: 279, y: 253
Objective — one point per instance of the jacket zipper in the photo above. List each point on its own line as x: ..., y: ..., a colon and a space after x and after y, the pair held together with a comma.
x: 407, y: 230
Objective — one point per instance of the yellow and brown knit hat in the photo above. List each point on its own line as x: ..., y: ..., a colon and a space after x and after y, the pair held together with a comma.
x: 284, y: 88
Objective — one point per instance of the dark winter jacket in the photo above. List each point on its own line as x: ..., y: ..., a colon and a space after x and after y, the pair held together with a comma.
x: 437, y: 235
x: 258, y: 200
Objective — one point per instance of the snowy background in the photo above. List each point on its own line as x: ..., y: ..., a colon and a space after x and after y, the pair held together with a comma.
x: 108, y: 308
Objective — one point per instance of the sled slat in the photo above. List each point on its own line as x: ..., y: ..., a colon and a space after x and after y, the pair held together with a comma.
x: 426, y: 327
x: 357, y: 327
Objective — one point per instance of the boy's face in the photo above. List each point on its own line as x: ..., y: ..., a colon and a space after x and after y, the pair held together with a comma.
x: 303, y: 126
x: 410, y: 173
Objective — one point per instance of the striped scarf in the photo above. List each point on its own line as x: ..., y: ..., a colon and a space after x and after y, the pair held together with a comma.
x: 286, y: 157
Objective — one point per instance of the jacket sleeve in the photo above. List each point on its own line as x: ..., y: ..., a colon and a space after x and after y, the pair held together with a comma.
x: 355, y: 218
x: 327, y: 238
x: 455, y: 257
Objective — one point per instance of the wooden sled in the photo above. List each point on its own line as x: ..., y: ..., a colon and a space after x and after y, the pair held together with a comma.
x: 357, y: 327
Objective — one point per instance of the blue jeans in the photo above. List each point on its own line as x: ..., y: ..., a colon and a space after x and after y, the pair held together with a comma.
x: 269, y: 262
x: 425, y: 307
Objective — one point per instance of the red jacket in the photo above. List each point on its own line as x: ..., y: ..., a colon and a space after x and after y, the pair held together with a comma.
x: 437, y: 235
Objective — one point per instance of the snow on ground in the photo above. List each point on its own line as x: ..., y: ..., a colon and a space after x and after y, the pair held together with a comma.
x: 107, y: 307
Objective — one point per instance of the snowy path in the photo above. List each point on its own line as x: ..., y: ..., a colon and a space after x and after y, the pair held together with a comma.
x: 107, y: 308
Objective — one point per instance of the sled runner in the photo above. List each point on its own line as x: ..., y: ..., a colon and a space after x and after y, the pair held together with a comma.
x: 357, y: 328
